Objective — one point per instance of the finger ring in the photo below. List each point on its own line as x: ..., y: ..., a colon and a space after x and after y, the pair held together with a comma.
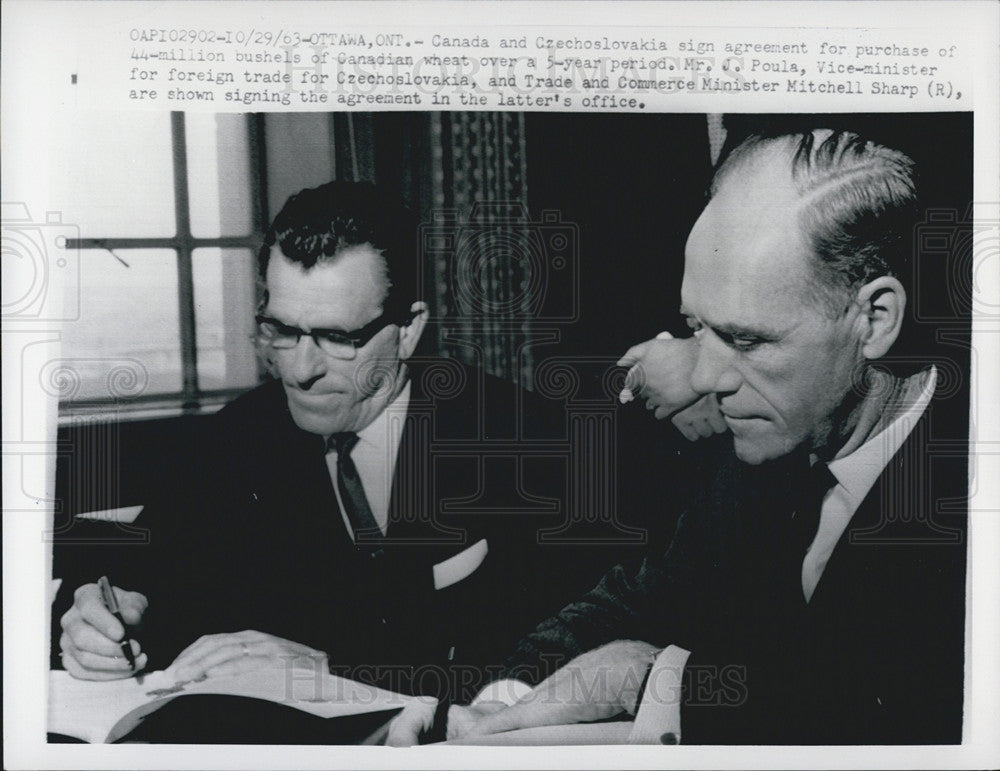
x: 246, y: 650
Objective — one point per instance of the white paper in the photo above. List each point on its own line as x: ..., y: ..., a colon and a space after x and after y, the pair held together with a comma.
x: 106, y: 711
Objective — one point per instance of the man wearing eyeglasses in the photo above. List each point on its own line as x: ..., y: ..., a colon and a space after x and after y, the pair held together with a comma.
x: 323, y: 527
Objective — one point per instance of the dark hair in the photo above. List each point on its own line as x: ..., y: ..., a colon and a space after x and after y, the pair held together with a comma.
x: 315, y: 224
x: 858, y: 204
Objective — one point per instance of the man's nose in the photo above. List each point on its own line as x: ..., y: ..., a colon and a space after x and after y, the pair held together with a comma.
x: 308, y: 362
x: 714, y: 371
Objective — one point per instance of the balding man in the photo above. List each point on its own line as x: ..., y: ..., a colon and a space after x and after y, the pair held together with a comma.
x: 814, y: 593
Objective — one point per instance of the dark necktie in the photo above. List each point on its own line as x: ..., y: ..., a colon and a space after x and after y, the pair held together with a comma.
x: 805, y: 520
x: 352, y: 492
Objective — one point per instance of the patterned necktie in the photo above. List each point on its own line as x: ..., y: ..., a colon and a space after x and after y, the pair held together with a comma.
x: 352, y: 492
x: 805, y: 520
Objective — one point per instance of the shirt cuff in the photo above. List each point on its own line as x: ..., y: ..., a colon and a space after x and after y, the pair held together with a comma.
x: 508, y: 691
x: 658, y: 719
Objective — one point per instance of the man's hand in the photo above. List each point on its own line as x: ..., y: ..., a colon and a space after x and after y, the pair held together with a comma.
x: 701, y: 419
x: 462, y: 720
x: 598, y: 685
x: 417, y: 718
x: 661, y: 373
x: 234, y: 652
x: 91, y: 641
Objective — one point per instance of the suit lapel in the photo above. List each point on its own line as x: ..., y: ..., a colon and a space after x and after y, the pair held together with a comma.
x: 414, y: 496
x: 895, y: 505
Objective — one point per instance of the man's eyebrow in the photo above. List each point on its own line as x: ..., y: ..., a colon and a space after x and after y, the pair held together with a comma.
x: 735, y: 330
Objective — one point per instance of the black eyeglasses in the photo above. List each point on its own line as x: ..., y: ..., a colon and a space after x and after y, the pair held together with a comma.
x: 333, y: 342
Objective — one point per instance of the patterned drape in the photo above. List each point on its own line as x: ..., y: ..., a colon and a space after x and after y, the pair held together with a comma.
x: 482, y: 248
x: 716, y: 135
x: 484, y: 264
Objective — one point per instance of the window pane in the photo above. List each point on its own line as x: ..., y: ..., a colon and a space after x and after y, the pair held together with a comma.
x: 218, y: 153
x: 224, y: 309
x: 126, y: 341
x: 113, y: 173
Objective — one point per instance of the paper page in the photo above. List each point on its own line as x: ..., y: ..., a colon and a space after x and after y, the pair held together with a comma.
x: 89, y: 710
x: 106, y: 711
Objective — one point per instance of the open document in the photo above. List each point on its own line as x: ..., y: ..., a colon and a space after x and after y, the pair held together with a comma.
x: 107, y: 711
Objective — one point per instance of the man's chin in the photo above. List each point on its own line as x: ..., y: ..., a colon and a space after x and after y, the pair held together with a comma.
x: 758, y: 450
x: 313, y: 421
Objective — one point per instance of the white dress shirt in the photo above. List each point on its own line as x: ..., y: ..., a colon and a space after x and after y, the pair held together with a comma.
x: 375, y: 456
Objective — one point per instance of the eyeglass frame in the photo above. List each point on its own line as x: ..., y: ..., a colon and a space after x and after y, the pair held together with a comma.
x: 355, y: 339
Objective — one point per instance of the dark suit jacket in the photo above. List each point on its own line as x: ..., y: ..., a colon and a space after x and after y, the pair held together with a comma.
x: 875, y: 657
x: 257, y: 540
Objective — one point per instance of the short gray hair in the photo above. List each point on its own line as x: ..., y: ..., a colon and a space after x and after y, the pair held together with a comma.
x: 858, y: 204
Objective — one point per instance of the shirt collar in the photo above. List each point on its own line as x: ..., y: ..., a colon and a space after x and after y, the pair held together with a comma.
x: 856, y: 473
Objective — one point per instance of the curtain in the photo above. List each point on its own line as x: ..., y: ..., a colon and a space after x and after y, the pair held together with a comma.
x: 486, y: 257
x: 483, y: 261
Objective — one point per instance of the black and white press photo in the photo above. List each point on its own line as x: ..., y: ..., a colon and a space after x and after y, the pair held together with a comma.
x: 406, y: 386
x: 420, y: 402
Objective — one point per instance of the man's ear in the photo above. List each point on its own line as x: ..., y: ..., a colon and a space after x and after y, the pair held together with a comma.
x: 409, y: 334
x: 883, y: 305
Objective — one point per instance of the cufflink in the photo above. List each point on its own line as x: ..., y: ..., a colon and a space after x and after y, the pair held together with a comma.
x: 669, y: 738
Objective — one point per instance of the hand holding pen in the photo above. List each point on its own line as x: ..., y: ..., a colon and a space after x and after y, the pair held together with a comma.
x: 96, y: 641
x: 111, y: 603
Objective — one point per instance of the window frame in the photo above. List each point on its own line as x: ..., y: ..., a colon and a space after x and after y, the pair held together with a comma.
x: 191, y: 398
